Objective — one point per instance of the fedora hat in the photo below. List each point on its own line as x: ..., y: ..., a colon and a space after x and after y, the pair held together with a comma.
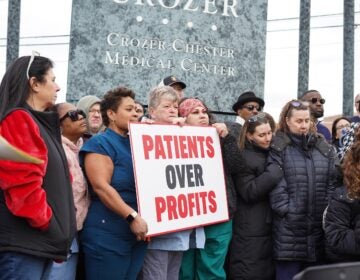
x: 245, y: 97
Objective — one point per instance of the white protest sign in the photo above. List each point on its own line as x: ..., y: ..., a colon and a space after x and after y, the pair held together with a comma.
x: 179, y: 176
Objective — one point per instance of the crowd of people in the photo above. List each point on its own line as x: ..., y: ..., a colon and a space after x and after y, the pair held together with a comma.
x: 293, y: 187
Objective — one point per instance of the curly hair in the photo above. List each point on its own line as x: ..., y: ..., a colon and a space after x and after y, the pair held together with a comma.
x: 112, y: 100
x: 351, y: 168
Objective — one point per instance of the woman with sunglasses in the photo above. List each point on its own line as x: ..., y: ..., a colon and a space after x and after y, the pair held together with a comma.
x: 72, y: 126
x: 251, y: 247
x: 299, y: 199
x: 113, y: 234
x: 208, y: 263
x: 37, y: 215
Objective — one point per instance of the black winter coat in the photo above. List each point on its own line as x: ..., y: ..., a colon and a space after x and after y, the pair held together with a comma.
x: 230, y: 188
x: 342, y: 228
x: 234, y: 130
x: 251, y: 246
x: 299, y: 200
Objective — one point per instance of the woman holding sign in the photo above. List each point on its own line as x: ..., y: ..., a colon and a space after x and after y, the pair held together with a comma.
x: 208, y: 263
x: 164, y: 254
x: 113, y: 232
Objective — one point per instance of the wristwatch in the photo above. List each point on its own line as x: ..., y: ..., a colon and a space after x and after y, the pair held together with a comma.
x: 131, y: 217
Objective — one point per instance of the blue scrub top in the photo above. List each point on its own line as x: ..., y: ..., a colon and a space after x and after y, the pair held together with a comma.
x: 117, y: 147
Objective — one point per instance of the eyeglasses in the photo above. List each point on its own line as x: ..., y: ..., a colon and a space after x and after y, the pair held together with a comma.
x: 32, y: 57
x: 343, y: 126
x: 93, y: 111
x: 257, y: 118
x: 73, y: 115
x: 314, y: 100
x: 252, y: 107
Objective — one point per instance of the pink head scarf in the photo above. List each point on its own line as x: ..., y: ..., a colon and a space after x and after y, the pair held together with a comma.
x: 188, y: 105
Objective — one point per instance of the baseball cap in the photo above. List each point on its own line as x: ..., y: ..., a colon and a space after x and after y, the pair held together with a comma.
x: 170, y: 80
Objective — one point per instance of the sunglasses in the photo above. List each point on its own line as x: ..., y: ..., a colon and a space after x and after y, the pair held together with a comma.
x: 252, y: 107
x: 73, y: 115
x: 257, y: 118
x: 32, y: 57
x: 296, y: 104
x: 314, y: 100
x: 300, y: 105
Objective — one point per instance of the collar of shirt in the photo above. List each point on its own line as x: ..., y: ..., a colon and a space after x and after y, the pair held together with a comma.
x: 240, y: 120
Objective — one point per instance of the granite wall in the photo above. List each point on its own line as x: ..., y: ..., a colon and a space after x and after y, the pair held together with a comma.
x: 216, y: 46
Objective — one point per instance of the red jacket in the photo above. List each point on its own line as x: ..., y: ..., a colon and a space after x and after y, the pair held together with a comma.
x: 21, y: 182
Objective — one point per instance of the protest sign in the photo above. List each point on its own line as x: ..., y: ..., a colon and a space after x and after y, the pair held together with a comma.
x: 179, y: 176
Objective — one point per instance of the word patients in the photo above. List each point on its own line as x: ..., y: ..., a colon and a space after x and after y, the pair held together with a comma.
x: 187, y: 204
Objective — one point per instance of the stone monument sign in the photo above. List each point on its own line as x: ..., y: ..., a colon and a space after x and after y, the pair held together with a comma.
x: 217, y: 47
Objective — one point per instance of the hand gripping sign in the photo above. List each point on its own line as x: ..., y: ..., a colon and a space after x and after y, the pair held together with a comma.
x: 179, y: 176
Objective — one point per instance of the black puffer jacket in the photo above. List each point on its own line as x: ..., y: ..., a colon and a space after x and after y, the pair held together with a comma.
x: 299, y: 200
x: 342, y: 228
x: 251, y: 245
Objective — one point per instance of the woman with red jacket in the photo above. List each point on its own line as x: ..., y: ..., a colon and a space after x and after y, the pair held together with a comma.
x: 37, y: 215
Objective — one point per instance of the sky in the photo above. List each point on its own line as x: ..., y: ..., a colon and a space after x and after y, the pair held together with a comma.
x: 45, y: 27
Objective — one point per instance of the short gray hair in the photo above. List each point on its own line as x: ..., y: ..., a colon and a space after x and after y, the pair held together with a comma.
x: 157, y: 93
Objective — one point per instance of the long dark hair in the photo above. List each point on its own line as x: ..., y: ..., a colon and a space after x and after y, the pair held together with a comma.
x: 15, y: 86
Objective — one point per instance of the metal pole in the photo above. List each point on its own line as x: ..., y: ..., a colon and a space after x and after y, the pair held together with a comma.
x: 13, y: 31
x: 348, y: 58
x: 304, y: 47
